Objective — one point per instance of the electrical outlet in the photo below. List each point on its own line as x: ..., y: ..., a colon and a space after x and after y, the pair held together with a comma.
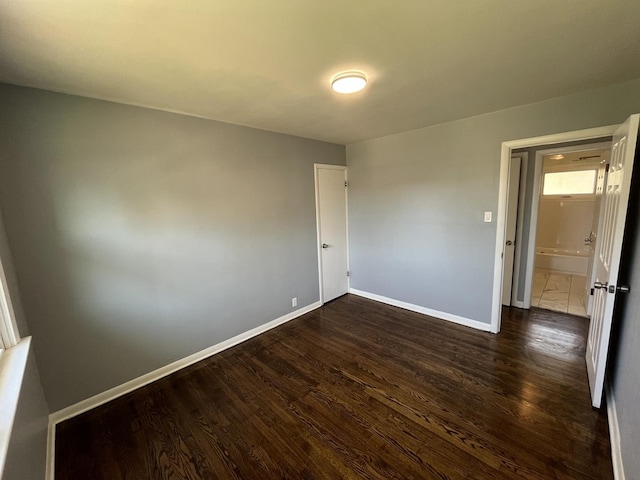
x: 294, y: 302
x: 487, y: 217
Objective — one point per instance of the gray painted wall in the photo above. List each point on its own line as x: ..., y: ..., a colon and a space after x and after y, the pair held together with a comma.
x: 140, y: 237
x: 416, y: 199
x: 27, y: 454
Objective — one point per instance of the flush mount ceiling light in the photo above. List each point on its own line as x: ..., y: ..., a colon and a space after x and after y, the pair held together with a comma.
x: 349, y: 82
x: 556, y: 157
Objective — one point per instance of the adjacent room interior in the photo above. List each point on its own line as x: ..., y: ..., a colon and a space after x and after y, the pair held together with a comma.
x: 328, y: 240
x: 568, y: 218
x: 554, y: 271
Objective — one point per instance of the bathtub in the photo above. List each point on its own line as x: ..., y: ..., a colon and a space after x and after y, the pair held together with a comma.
x: 573, y: 262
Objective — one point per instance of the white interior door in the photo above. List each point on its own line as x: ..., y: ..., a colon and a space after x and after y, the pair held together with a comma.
x: 596, y: 229
x: 331, y: 198
x: 510, y: 229
x: 607, y: 263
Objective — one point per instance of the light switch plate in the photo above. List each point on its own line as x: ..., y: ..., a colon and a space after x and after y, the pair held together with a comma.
x: 487, y: 217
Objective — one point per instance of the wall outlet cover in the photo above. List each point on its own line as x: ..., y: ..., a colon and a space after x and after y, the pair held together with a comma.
x: 487, y: 217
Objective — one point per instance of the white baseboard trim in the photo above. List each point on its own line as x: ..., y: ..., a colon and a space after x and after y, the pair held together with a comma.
x: 51, y: 452
x: 614, y: 433
x: 517, y: 304
x: 485, y: 327
x: 115, y: 392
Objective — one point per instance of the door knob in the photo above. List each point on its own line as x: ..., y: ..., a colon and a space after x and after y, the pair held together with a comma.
x: 509, y: 242
x: 621, y: 289
x: 324, y: 245
x: 602, y: 286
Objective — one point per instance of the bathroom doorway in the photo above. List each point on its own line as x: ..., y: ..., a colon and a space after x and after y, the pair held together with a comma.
x: 570, y: 195
x: 558, y: 214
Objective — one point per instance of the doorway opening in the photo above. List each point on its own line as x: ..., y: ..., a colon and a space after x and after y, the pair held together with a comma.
x: 615, y: 190
x: 577, y: 137
x: 557, y: 226
x: 567, y: 229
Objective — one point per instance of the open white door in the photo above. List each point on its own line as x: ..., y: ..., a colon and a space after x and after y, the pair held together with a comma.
x: 596, y: 229
x: 331, y: 211
x: 607, y: 262
x: 510, y: 229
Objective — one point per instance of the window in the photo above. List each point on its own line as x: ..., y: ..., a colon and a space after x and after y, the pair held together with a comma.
x: 580, y: 182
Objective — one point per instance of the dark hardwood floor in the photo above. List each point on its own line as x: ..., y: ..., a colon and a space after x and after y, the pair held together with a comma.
x: 358, y: 389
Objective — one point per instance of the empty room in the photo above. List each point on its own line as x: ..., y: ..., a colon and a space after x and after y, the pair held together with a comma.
x: 319, y: 240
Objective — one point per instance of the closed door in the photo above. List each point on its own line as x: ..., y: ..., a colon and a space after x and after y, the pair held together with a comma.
x: 606, y: 288
x: 331, y: 205
x: 510, y: 229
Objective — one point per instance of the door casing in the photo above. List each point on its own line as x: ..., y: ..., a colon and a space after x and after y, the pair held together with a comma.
x: 505, y: 158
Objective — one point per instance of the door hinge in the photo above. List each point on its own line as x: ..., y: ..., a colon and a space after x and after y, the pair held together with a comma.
x: 346, y: 184
x: 591, y: 292
x: 606, y: 168
x: 348, y: 273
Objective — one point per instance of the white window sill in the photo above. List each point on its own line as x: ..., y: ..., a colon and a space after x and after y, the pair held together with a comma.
x: 13, y: 362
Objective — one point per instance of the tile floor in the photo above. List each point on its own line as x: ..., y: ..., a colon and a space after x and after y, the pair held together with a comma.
x: 559, y: 292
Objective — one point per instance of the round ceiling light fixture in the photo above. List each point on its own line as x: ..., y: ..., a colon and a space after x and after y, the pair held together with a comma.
x: 349, y: 82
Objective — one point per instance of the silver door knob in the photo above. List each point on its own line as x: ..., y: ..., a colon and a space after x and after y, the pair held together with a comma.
x: 509, y: 242
x: 602, y: 286
x: 620, y: 288
x: 324, y: 245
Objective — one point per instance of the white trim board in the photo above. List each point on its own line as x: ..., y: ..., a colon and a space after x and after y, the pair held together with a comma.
x: 9, y: 336
x: 49, y: 473
x: 131, y: 385
x: 614, y: 433
x: 467, y: 322
x: 13, y: 363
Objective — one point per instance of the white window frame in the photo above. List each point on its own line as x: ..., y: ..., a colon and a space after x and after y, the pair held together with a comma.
x: 567, y: 169
x: 9, y: 336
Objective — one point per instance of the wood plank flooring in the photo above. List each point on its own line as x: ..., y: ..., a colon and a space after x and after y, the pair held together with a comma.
x: 358, y: 389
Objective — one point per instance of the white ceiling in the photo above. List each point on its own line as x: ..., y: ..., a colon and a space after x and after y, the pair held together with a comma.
x: 267, y: 63
x: 579, y: 160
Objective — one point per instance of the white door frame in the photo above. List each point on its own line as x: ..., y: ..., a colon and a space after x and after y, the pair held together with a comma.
x: 8, y: 326
x: 535, y: 206
x: 505, y: 158
x: 522, y: 192
x: 316, y: 166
